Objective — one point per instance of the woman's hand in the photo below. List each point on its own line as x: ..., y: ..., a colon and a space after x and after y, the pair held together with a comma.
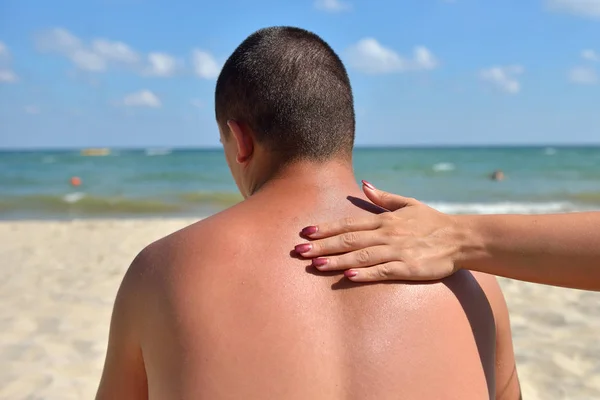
x: 412, y: 242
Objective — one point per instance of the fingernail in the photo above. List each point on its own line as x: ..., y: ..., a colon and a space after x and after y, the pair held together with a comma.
x: 303, y: 248
x: 319, y: 262
x: 367, y: 184
x: 350, y: 273
x: 309, y: 230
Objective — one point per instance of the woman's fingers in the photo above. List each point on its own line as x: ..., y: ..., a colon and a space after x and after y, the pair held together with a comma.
x: 337, y: 244
x: 342, y: 226
x: 395, y: 270
x: 356, y: 259
x: 402, y: 271
x: 389, y: 201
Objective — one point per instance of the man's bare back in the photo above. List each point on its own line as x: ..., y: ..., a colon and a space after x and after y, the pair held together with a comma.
x: 222, y: 310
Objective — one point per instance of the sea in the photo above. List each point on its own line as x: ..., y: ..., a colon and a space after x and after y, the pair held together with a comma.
x: 196, y: 182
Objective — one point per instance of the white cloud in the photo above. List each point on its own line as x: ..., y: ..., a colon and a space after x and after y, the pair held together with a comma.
x: 583, y: 8
x: 370, y: 57
x: 197, y: 103
x: 99, y: 55
x: 143, y: 98
x: 161, y: 64
x: 424, y: 59
x: 114, y: 51
x: 586, y: 74
x: 4, y: 51
x: 332, y: 5
x: 88, y: 61
x: 590, y: 55
x: 58, y: 40
x: 205, y: 65
x: 503, y: 78
x: 6, y: 73
x: 7, y: 76
x: 583, y: 75
x: 31, y: 109
x: 95, y: 56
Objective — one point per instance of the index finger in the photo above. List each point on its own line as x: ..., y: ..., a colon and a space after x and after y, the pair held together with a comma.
x: 344, y: 225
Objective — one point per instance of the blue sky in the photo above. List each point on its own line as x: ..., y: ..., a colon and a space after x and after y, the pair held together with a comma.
x: 141, y: 73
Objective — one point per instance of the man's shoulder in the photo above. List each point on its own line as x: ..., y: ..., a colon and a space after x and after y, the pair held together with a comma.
x: 193, y: 242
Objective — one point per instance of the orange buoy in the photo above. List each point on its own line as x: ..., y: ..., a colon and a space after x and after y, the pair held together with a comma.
x: 75, y: 181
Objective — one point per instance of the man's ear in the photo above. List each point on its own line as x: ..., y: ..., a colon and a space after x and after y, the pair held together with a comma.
x: 244, y: 141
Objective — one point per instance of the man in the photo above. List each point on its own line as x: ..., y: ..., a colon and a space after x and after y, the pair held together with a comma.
x: 224, y: 310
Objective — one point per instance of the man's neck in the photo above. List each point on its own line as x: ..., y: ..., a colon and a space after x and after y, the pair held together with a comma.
x: 310, y: 176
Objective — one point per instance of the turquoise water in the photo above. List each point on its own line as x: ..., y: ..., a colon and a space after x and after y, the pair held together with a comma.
x: 163, y: 182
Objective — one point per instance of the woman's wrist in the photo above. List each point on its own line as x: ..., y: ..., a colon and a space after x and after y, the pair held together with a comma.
x: 472, y: 239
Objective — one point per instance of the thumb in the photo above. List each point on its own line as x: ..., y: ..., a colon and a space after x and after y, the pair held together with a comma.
x: 386, y: 200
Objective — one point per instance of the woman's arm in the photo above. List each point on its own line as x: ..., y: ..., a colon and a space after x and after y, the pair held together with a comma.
x: 558, y: 249
x: 416, y: 242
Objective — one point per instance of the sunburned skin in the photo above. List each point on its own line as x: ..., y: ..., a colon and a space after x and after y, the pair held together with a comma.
x: 223, y: 309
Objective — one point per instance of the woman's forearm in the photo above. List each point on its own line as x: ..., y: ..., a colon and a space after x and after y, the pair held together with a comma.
x: 557, y: 249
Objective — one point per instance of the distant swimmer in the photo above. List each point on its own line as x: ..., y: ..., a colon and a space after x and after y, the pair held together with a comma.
x: 497, y: 175
x: 75, y: 181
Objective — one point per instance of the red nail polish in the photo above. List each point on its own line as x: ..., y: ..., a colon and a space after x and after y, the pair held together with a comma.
x: 367, y: 184
x: 303, y: 248
x: 350, y: 273
x: 309, y: 230
x: 319, y: 262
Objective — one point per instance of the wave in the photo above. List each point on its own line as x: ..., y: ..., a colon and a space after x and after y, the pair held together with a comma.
x: 443, y: 167
x: 588, y: 198
x: 73, y: 197
x: 83, y: 204
x: 506, y: 207
x: 585, y: 197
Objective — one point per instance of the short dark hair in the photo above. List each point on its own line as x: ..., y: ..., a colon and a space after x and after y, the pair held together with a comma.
x: 292, y: 90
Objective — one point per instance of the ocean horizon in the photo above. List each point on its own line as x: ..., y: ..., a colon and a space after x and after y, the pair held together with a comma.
x: 161, y: 181
x: 356, y: 147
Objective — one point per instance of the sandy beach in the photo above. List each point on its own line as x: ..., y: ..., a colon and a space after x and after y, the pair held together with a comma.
x: 58, y: 281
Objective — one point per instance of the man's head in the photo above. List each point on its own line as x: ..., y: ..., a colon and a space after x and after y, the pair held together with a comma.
x: 283, y: 96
